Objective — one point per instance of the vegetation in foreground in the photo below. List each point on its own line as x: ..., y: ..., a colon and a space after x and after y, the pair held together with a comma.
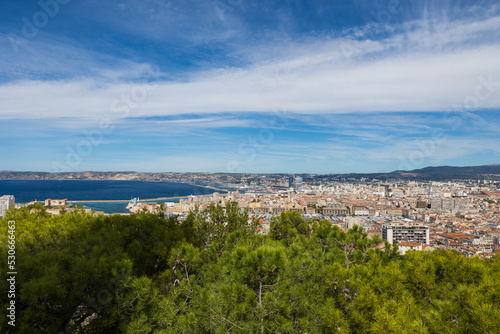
x: 213, y: 274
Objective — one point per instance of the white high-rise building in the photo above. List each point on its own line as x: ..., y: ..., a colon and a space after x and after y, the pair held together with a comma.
x: 298, y: 182
x: 396, y: 233
x: 6, y: 202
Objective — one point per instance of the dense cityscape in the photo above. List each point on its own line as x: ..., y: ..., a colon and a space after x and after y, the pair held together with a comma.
x: 462, y: 215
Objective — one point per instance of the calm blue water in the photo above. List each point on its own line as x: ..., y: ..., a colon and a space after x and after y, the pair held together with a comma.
x: 30, y: 190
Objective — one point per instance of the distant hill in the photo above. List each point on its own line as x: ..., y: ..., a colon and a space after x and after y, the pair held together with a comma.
x: 450, y: 172
x: 427, y: 173
x: 435, y: 173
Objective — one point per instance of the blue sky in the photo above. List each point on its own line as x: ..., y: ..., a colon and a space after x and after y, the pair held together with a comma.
x: 253, y: 86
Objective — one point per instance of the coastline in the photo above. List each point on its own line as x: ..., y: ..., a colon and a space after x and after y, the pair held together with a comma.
x: 157, y: 198
x: 108, y: 196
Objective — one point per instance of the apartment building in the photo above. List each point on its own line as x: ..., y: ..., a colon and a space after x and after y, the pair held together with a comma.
x: 6, y: 202
x: 399, y: 233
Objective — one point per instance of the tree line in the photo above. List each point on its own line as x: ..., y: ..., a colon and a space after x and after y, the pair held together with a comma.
x: 213, y: 273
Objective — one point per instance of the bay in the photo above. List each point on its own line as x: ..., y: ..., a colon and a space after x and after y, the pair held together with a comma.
x: 87, y: 190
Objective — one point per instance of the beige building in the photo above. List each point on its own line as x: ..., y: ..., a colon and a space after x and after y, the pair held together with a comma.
x: 56, y: 202
x: 405, y: 246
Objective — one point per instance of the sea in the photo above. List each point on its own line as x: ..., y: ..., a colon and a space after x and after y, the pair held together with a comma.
x: 26, y: 191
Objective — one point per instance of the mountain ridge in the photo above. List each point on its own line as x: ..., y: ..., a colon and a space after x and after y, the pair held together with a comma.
x: 430, y: 172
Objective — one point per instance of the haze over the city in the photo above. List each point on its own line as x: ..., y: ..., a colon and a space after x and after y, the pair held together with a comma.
x: 251, y: 86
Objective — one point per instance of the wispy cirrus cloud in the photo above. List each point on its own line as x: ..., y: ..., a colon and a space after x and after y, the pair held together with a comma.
x: 398, y: 73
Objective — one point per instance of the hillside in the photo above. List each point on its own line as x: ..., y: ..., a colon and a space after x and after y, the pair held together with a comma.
x: 427, y: 173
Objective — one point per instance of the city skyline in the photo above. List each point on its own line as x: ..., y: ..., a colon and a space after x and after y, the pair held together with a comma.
x: 239, y: 86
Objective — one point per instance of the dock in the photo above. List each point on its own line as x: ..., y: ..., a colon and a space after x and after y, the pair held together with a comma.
x: 151, y: 199
x: 139, y: 201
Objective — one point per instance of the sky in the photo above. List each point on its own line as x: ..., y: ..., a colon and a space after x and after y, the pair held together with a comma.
x: 276, y: 86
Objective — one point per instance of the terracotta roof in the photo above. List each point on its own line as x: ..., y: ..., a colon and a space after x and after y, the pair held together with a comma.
x: 409, y: 244
x: 457, y: 235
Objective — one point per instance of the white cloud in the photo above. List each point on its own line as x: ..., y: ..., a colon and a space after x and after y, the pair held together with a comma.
x: 401, y: 73
x: 207, y: 122
x: 53, y: 56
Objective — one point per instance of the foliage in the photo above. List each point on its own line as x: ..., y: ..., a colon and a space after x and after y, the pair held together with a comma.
x: 288, y: 225
x: 80, y: 273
